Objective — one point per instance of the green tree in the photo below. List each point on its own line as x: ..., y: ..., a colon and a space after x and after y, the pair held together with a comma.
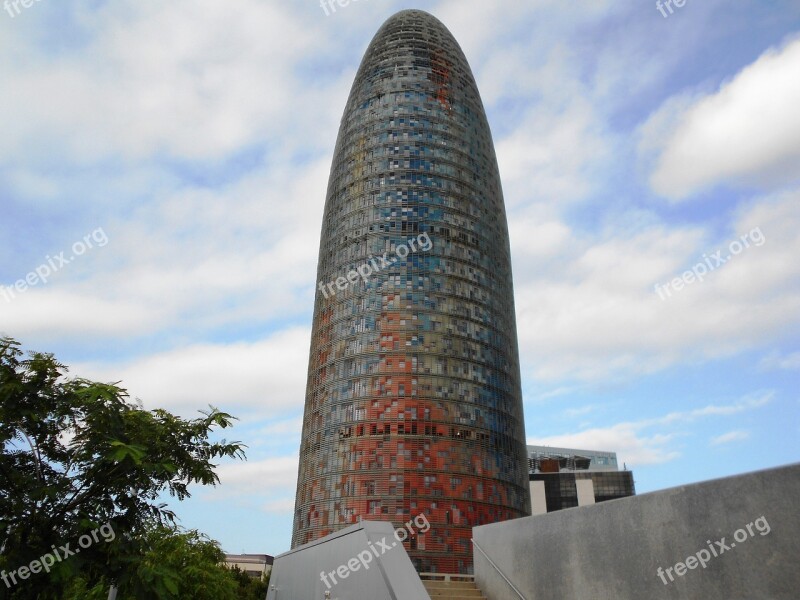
x: 249, y: 587
x: 177, y: 564
x: 78, y: 456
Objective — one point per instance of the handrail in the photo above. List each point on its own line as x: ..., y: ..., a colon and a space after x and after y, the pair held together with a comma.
x: 496, y: 568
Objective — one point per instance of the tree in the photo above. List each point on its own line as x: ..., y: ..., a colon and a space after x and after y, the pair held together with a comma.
x: 249, y: 587
x: 77, y: 456
x: 178, y: 564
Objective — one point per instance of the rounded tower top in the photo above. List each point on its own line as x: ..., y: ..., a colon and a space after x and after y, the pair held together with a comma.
x: 416, y: 14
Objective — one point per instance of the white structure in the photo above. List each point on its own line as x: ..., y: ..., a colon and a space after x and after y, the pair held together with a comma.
x: 257, y: 566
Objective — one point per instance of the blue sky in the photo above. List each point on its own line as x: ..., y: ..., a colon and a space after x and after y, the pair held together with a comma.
x: 177, y: 153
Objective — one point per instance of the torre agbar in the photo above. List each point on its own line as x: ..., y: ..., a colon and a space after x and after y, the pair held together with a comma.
x: 413, y: 405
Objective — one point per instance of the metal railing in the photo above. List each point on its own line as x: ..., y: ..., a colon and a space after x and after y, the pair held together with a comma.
x: 496, y: 568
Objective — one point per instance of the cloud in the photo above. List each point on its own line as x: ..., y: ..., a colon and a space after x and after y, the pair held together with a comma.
x: 577, y: 412
x: 554, y: 393
x: 747, y: 131
x: 271, y: 474
x: 635, y: 446
x: 283, y: 506
x: 562, y: 158
x: 268, y: 484
x: 551, y: 20
x: 277, y: 436
x: 750, y: 402
x: 631, y: 446
x: 731, y: 436
x: 194, y: 79
x: 262, y: 378
x: 51, y: 312
x: 291, y: 426
x: 591, y: 311
x: 776, y: 360
x: 191, y: 259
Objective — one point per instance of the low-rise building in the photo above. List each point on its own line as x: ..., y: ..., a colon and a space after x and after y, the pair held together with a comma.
x: 566, y: 477
x: 257, y: 566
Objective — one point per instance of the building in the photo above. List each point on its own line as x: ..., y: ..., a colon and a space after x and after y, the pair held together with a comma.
x: 565, y: 477
x: 570, y: 459
x: 257, y: 566
x: 413, y: 402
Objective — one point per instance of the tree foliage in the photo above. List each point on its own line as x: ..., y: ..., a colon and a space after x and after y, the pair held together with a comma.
x: 250, y: 588
x: 177, y: 564
x: 77, y: 455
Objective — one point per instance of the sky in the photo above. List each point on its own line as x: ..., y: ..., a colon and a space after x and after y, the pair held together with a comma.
x: 163, y: 168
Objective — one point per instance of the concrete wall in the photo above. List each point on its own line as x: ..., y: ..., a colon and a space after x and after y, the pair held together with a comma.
x: 538, y: 498
x: 614, y: 550
x: 362, y: 562
x: 585, y: 491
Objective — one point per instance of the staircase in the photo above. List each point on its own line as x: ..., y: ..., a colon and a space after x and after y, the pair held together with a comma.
x: 442, y: 586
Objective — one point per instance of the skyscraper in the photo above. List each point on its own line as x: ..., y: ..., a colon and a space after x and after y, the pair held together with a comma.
x: 413, y: 401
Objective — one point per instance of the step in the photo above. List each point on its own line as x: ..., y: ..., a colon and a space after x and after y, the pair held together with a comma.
x: 449, y: 584
x: 456, y: 594
x: 452, y: 587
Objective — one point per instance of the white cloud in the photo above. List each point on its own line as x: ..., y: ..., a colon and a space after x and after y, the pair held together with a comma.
x: 637, y: 447
x: 551, y: 21
x: 776, y: 360
x: 268, y: 475
x: 268, y: 484
x: 750, y: 402
x: 188, y: 260
x: 264, y: 377
x: 592, y: 312
x: 290, y: 426
x: 50, y: 313
x: 749, y: 130
x: 553, y: 393
x: 554, y: 152
x: 277, y: 436
x: 282, y: 506
x: 731, y: 436
x: 631, y: 446
x: 195, y: 79
x: 577, y: 412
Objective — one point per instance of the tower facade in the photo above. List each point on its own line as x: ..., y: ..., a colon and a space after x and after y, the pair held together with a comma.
x: 413, y: 405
